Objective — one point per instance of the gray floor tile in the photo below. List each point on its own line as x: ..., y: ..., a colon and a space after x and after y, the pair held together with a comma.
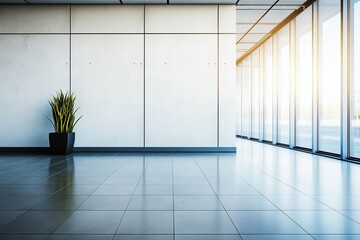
x: 197, y: 203
x: 88, y: 180
x: 80, y: 189
x: 154, y: 190
x: 7, y: 189
x: 115, y: 190
x: 151, y: 203
x: 277, y: 237
x: 337, y: 237
x: 207, y: 237
x: 297, y: 202
x: 246, y: 203
x: 91, y: 222
x: 147, y: 222
x: 8, y: 216
x: 190, y: 180
x: 122, y: 180
x: 275, y: 172
x: 264, y: 222
x: 193, y: 189
x: 145, y: 180
x: 36, y: 222
x: 60, y: 202
x: 235, y: 189
x: 144, y: 237
x: 354, y: 215
x: 20, y: 202
x: 324, y: 222
x: 203, y: 222
x: 105, y: 203
x: 81, y: 237
x: 23, y: 237
x: 341, y: 202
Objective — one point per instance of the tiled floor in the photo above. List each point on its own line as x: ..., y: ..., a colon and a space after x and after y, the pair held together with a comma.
x: 262, y: 192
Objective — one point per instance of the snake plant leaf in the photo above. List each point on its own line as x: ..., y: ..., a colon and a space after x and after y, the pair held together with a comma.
x: 63, y: 112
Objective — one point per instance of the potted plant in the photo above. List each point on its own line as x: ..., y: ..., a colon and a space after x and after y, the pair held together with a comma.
x: 63, y: 112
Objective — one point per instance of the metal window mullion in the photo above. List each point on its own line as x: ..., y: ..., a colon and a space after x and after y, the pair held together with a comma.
x: 275, y: 90
x: 315, y: 80
x: 240, y: 101
x: 345, y: 116
x: 292, y: 79
x: 251, y: 103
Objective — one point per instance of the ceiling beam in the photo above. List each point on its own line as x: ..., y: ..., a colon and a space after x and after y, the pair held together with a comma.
x: 258, y: 20
x: 293, y: 15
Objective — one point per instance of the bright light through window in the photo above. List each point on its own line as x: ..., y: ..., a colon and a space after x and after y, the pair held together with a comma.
x: 355, y: 85
x: 283, y: 85
x: 330, y: 76
x: 304, y: 79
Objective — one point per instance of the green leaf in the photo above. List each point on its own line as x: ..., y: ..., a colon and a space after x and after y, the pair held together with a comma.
x: 63, y: 112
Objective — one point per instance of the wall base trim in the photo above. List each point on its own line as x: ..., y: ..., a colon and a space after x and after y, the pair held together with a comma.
x: 124, y: 149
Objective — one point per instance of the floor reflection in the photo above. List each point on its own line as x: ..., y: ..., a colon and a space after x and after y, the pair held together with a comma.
x: 261, y: 192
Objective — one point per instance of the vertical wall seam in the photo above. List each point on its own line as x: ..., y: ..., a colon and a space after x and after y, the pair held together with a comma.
x: 70, y: 84
x: 144, y: 85
x: 218, y: 76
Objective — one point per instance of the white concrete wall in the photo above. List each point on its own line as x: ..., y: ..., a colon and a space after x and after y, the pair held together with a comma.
x: 153, y: 76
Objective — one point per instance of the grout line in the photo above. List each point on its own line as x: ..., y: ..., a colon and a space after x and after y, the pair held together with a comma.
x: 310, y: 196
x: 266, y: 198
x: 173, y: 193
x: 144, y: 83
x: 266, y: 12
x: 218, y: 76
x: 218, y: 198
x: 88, y: 195
x: 137, y: 185
x: 70, y: 48
x: 117, y: 33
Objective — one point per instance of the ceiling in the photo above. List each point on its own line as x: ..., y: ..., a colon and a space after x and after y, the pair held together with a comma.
x: 254, y: 18
x: 118, y: 1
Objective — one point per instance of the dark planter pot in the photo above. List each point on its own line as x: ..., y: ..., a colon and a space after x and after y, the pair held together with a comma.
x: 61, y: 143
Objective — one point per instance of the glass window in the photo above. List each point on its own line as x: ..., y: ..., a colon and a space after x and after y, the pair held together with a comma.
x: 329, y: 75
x: 255, y: 89
x: 283, y: 85
x: 304, y: 79
x: 268, y: 90
x: 238, y: 99
x: 355, y: 83
x: 246, y: 97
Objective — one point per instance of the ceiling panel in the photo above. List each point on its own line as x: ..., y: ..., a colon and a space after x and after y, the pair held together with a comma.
x: 291, y: 2
x: 243, y: 27
x: 257, y: 18
x: 256, y: 2
x: 239, y: 36
x: 253, y: 37
x: 12, y: 2
x: 248, y: 16
x: 244, y: 46
x: 285, y: 7
x: 263, y: 28
x: 276, y: 16
x: 118, y: 1
x: 144, y: 1
x: 202, y: 2
x: 72, y: 1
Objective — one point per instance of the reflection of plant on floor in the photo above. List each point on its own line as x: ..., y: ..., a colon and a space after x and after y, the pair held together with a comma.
x: 63, y: 111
